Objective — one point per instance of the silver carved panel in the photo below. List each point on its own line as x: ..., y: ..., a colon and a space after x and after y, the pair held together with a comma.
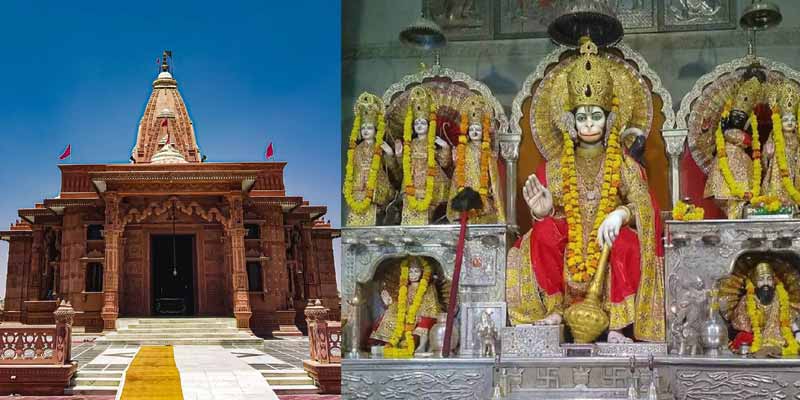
x: 696, y: 101
x: 470, y: 316
x: 699, y: 253
x: 682, y: 15
x: 440, y: 379
x: 531, y: 341
x: 463, y: 19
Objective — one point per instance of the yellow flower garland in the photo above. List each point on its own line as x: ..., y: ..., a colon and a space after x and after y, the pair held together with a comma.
x: 360, y: 206
x: 408, y: 179
x: 780, y: 149
x: 461, y: 150
x: 791, y: 347
x: 687, y: 212
x: 734, y: 186
x: 582, y: 267
x: 407, y: 316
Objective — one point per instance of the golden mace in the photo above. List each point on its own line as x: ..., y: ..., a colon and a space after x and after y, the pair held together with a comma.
x: 587, y: 319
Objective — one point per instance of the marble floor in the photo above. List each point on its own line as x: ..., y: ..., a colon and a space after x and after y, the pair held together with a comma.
x: 214, y: 373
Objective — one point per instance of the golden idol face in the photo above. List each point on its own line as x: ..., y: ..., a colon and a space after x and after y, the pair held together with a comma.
x: 367, y: 131
x: 590, y: 123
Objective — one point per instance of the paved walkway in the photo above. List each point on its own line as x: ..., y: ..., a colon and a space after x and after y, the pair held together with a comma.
x: 213, y: 373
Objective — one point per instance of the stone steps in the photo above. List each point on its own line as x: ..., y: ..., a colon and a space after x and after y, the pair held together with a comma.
x: 91, y: 390
x: 290, y: 381
x: 107, y: 382
x: 180, y: 331
x: 283, y: 390
x: 181, y: 328
x: 177, y: 335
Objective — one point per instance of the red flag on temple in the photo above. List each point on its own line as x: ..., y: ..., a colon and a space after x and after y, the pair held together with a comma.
x: 270, y: 152
x: 164, y: 122
x: 66, y: 153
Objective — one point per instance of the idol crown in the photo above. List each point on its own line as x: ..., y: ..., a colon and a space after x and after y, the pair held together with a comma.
x: 369, y: 107
x: 590, y: 83
x: 420, y: 102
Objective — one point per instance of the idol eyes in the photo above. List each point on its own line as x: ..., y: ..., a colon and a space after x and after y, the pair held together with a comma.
x: 596, y: 116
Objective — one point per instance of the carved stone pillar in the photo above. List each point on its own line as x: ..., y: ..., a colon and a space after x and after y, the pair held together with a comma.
x: 64, y: 316
x: 37, y: 260
x: 509, y: 151
x: 236, y: 232
x: 112, y: 235
x: 674, y: 140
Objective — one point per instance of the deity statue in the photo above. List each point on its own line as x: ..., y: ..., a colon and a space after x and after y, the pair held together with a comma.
x: 424, y: 155
x: 366, y: 184
x: 411, y: 310
x: 476, y: 164
x: 781, y: 158
x: 735, y: 177
x: 762, y: 309
x: 590, y: 197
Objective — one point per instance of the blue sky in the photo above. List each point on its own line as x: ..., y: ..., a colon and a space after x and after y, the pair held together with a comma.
x: 250, y: 72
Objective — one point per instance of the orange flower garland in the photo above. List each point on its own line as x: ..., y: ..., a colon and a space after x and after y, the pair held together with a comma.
x: 582, y: 267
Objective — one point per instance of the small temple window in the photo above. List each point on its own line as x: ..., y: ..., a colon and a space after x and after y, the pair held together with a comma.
x: 253, y: 231
x: 254, y: 281
x: 94, y: 232
x: 94, y: 277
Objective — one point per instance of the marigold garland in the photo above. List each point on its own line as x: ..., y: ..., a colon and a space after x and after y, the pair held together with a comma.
x: 791, y: 347
x: 780, y: 149
x: 687, y: 212
x: 408, y: 179
x: 582, y: 267
x: 407, y: 316
x: 734, y: 186
x: 461, y: 150
x: 360, y: 206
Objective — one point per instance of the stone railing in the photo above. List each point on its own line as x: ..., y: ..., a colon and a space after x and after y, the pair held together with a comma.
x: 39, y: 344
x: 325, y: 348
x: 37, y: 359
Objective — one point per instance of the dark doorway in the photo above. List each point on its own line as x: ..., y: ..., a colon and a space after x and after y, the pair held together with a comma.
x: 173, y: 283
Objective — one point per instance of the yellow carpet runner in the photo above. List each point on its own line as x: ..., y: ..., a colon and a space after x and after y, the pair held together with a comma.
x: 153, y: 375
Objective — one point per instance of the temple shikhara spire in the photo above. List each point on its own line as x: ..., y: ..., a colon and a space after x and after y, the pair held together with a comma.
x: 165, y: 117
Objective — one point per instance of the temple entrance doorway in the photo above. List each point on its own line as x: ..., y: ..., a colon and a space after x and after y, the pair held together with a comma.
x: 172, y: 259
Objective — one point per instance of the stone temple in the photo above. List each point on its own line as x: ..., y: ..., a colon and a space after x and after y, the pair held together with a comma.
x: 171, y: 235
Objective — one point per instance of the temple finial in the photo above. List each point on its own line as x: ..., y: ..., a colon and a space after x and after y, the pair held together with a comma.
x: 164, y: 60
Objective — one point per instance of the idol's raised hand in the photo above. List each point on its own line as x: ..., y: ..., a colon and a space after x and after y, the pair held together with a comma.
x: 538, y: 197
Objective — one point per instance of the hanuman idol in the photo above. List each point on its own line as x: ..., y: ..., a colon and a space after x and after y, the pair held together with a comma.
x: 476, y: 164
x: 762, y: 309
x: 425, y: 185
x: 593, y: 195
x: 735, y: 177
x: 781, y: 158
x: 366, y: 184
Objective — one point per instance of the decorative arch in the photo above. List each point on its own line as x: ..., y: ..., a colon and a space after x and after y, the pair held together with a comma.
x: 660, y: 117
x: 700, y: 110
x: 157, y: 208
